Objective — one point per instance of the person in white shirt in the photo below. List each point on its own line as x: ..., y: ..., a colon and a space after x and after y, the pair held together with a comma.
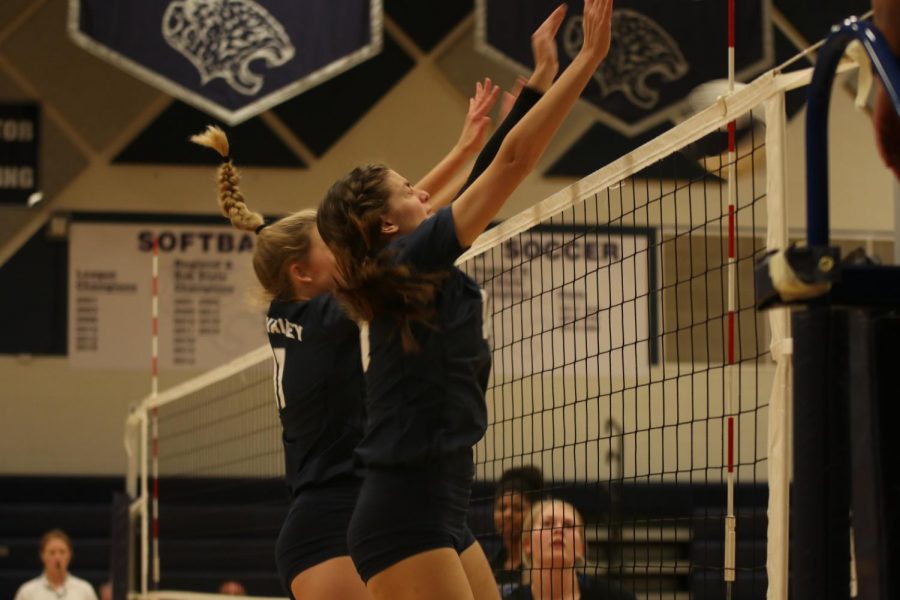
x: 56, y: 583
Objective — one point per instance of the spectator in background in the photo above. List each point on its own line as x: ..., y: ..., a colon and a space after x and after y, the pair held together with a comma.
x: 516, y: 491
x: 232, y: 588
x: 553, y: 552
x: 56, y: 582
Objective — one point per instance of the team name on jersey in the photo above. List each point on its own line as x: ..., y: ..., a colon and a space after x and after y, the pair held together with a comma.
x: 285, y: 328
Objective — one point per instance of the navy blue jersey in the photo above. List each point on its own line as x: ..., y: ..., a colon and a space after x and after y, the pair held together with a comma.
x: 320, y: 388
x: 430, y: 403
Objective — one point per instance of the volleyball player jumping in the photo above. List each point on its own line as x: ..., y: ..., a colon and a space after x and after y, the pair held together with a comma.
x: 319, y: 384
x: 429, y: 364
x: 319, y: 378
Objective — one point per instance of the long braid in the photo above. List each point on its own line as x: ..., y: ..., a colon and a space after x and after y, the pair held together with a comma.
x: 278, y: 245
x: 231, y: 200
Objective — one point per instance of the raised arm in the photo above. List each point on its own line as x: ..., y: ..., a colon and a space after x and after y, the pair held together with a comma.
x: 470, y: 140
x: 522, y: 103
x: 519, y: 153
x: 517, y: 103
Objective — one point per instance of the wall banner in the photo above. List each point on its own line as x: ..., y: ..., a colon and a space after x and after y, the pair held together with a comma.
x: 661, y: 50
x: 19, y: 147
x: 579, y: 298
x: 232, y: 59
x: 210, y: 303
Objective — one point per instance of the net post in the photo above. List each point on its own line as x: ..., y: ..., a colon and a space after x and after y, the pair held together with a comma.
x: 144, y: 504
x: 820, y: 519
x: 780, y: 345
x: 133, y: 444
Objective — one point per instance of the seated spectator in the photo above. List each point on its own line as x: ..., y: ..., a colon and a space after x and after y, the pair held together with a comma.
x: 232, y: 588
x: 517, y: 489
x: 56, y: 582
x: 553, y: 551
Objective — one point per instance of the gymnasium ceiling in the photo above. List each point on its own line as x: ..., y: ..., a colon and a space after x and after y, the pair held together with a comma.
x: 94, y: 112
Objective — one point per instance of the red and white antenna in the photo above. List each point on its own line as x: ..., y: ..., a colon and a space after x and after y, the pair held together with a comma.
x: 730, y: 375
x: 154, y: 431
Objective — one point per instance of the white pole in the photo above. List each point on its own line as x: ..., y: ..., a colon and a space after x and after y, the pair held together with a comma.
x: 145, y: 505
x: 779, y: 433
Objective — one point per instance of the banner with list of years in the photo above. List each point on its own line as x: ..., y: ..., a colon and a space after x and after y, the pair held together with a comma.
x: 210, y: 303
x: 575, y: 299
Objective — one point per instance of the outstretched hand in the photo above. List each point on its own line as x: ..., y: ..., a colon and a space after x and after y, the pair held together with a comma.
x: 543, y: 47
x: 887, y: 131
x: 597, y: 26
x: 477, y: 120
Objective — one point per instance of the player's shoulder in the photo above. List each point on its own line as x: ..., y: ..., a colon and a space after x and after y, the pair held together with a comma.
x: 315, y: 306
x: 324, y: 312
x: 432, y: 245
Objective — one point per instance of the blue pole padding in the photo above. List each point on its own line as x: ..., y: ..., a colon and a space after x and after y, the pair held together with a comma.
x: 885, y: 65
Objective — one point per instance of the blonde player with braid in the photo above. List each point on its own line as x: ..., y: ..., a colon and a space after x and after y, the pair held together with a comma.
x: 319, y: 390
x: 321, y: 386
x: 429, y: 367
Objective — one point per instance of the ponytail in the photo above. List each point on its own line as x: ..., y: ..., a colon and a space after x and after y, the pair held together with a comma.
x: 231, y: 200
x: 279, y: 244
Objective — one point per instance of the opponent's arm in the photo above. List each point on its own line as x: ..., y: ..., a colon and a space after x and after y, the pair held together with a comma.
x: 518, y: 102
x: 470, y: 140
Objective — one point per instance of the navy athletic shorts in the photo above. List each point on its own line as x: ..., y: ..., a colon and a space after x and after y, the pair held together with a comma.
x: 404, y: 511
x: 315, y: 528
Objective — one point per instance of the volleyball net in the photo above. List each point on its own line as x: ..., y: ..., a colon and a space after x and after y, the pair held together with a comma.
x: 630, y: 367
x: 630, y: 364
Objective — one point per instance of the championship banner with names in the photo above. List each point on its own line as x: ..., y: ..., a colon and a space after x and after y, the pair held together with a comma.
x: 210, y: 303
x: 660, y: 51
x: 575, y: 296
x: 19, y: 135
x: 232, y: 59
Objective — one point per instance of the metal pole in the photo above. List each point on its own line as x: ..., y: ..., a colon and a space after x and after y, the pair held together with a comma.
x: 820, y: 498
x: 145, y: 505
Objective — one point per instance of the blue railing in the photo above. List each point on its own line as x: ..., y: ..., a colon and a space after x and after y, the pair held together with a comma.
x: 885, y: 66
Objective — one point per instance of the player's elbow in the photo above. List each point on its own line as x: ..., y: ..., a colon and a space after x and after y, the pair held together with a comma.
x: 517, y: 156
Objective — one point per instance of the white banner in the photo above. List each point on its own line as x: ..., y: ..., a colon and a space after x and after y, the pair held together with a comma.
x: 574, y: 297
x: 210, y: 305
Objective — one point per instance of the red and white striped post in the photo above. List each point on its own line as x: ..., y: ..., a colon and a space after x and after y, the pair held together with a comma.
x: 730, y: 393
x: 154, y: 432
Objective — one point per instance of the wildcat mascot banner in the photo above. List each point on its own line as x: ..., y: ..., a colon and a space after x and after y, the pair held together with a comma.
x: 232, y: 59
x: 661, y: 50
